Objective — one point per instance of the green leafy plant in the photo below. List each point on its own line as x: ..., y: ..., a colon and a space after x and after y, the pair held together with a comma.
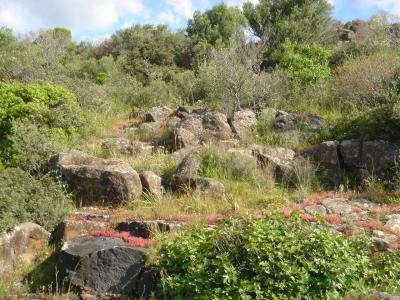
x: 269, y: 258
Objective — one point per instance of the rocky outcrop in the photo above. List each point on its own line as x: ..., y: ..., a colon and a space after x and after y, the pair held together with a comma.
x: 356, y: 32
x: 97, y: 180
x: 277, y: 157
x: 157, y: 114
x: 21, y: 246
x: 105, y: 265
x: 151, y: 183
x: 125, y: 147
x: 285, y: 121
x: 365, y: 158
x: 243, y: 123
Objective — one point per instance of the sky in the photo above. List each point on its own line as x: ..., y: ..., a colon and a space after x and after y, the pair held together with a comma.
x: 96, y: 20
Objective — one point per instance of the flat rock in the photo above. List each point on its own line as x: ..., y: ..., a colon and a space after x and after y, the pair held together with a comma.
x: 338, y: 206
x: 71, y: 229
x: 97, y: 180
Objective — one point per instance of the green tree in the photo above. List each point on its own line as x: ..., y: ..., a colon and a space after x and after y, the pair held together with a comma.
x: 273, y: 21
x: 215, y: 28
x: 307, y: 62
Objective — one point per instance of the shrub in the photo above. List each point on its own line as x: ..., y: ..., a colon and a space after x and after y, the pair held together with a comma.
x: 366, y: 82
x: 46, y: 105
x: 307, y: 62
x: 268, y: 258
x: 24, y: 198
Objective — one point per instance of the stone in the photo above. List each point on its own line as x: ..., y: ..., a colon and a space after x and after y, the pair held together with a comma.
x: 316, y: 209
x: 183, y: 111
x: 151, y: 131
x: 157, y: 114
x: 189, y: 166
x: 278, y: 157
x: 97, y: 180
x: 393, y: 222
x: 294, y: 121
x: 144, y: 229
x: 325, y: 156
x: 384, y: 296
x: 243, y: 123
x: 151, y: 183
x: 338, y: 206
x: 21, y: 246
x: 118, y: 145
x: 181, y: 138
x: 215, y: 126
x: 379, y: 156
x: 209, y: 187
x: 364, y: 204
x: 101, y: 265
x: 350, y: 151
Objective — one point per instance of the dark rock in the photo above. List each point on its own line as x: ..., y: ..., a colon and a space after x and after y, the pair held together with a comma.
x: 151, y: 183
x: 101, y: 265
x: 379, y: 156
x: 189, y: 166
x: 71, y: 229
x: 243, y: 123
x: 145, y: 228
x: 157, y: 114
x: 291, y: 121
x: 21, y: 246
x: 97, y: 180
x: 351, y: 153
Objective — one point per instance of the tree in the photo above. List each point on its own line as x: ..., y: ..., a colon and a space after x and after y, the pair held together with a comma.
x: 215, y: 28
x: 302, y: 21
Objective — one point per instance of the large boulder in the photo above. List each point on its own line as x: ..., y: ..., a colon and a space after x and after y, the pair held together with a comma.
x: 378, y: 156
x: 243, y: 123
x: 151, y: 183
x: 70, y: 230
x: 97, y: 180
x: 326, y: 157
x: 350, y: 151
x: 102, y: 265
x: 157, y: 114
x: 21, y: 246
x: 279, y: 158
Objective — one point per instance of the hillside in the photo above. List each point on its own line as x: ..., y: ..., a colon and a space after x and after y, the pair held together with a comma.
x: 252, y: 155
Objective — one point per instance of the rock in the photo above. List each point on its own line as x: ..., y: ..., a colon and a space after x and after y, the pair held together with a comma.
x: 101, y: 265
x: 151, y: 183
x: 379, y: 156
x: 151, y: 131
x: 215, y: 126
x: 359, y: 31
x: 280, y: 158
x: 181, y: 138
x: 183, y: 111
x: 157, y: 114
x: 384, y: 296
x: 393, y: 222
x: 338, y: 206
x: 71, y: 229
x: 145, y: 228
x: 30, y: 297
x: 209, y: 187
x: 316, y: 209
x: 364, y: 204
x: 97, y: 180
x: 351, y: 153
x: 21, y: 246
x: 189, y: 166
x: 326, y: 157
x: 243, y: 123
x: 294, y: 121
x: 119, y: 145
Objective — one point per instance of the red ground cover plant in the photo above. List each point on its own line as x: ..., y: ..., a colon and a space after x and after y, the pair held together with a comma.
x: 129, y: 239
x: 377, y: 225
x: 333, y: 219
x: 308, y: 218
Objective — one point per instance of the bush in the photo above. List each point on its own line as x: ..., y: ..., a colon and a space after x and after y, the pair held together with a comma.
x: 46, y: 105
x: 269, y: 258
x: 366, y: 82
x: 307, y: 62
x: 24, y: 198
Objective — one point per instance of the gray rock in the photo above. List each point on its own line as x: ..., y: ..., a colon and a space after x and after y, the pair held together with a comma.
x: 101, y: 265
x: 181, y: 138
x: 189, y: 166
x: 278, y: 157
x: 316, y: 209
x: 339, y: 206
x: 385, y: 296
x: 118, y: 145
x: 393, y: 222
x: 151, y: 183
x: 73, y: 229
x: 291, y: 121
x: 97, y: 180
x: 379, y: 156
x: 152, y: 130
x: 209, y: 187
x: 243, y: 123
x: 21, y: 246
x: 157, y: 114
x: 351, y: 153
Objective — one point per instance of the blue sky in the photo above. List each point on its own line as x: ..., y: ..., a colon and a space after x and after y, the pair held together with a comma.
x: 97, y: 19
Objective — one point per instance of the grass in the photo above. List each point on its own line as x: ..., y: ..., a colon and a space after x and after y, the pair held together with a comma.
x: 159, y: 162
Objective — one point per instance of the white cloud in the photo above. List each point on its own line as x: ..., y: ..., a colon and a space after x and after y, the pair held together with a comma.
x: 77, y: 15
x: 390, y: 6
x: 182, y: 7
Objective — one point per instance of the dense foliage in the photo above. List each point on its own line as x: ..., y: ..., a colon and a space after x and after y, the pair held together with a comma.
x: 269, y: 258
x: 45, y: 105
x: 25, y: 198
